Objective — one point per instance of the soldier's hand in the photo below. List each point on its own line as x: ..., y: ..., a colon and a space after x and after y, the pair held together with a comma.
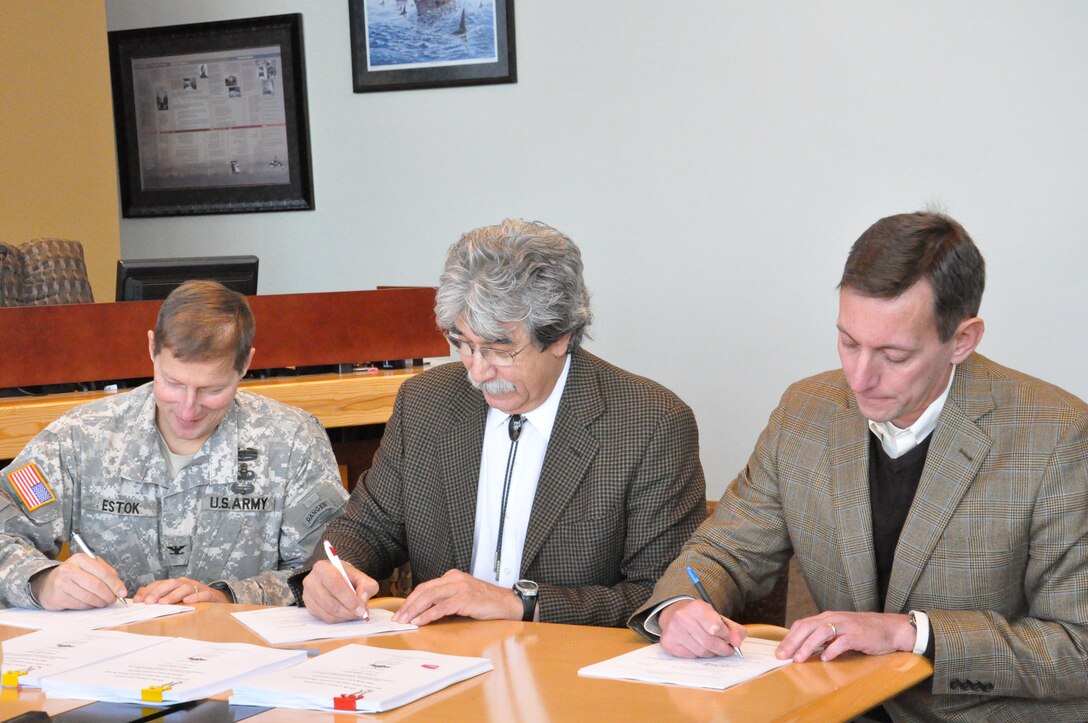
x: 79, y: 583
x: 458, y: 593
x: 328, y: 597
x: 175, y: 590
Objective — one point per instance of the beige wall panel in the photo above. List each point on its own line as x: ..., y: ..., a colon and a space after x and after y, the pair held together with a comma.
x: 57, y: 161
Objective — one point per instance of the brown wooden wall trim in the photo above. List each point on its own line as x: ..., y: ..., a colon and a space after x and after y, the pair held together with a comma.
x: 95, y: 342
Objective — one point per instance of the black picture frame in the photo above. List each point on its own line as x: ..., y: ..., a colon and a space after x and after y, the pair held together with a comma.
x: 412, y: 73
x: 212, y: 118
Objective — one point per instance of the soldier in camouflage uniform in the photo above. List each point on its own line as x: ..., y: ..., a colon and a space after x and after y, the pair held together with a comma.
x: 187, y: 489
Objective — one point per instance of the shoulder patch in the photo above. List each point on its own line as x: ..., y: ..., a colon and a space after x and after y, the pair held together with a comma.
x: 31, y: 486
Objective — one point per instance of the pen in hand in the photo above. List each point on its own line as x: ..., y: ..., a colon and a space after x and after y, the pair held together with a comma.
x: 330, y: 553
x: 706, y: 598
x: 78, y: 539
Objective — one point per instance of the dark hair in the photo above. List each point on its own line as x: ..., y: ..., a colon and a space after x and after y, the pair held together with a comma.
x: 898, y: 251
x: 515, y: 272
x: 204, y: 320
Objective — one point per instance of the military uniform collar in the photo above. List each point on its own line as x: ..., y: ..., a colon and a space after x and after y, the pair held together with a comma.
x: 143, y: 460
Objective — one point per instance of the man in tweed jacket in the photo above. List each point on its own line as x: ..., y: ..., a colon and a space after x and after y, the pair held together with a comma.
x: 982, y: 567
x: 586, y: 508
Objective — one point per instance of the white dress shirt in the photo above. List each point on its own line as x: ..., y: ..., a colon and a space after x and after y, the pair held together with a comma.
x: 536, y: 430
x: 897, y: 442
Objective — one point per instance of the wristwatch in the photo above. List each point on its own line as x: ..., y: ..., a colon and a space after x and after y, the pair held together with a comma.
x: 527, y: 590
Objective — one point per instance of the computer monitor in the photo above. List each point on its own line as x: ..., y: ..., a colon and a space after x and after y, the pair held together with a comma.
x: 149, y: 279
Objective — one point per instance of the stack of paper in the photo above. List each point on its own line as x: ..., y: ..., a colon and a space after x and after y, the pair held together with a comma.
x: 359, y: 678
x: 31, y: 657
x: 107, y: 617
x: 176, y: 671
x: 294, y: 625
x: 651, y: 664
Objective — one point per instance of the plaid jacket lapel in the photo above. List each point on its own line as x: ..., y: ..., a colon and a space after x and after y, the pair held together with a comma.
x: 461, y: 449
x: 571, y: 449
x: 952, y: 463
x: 849, y: 448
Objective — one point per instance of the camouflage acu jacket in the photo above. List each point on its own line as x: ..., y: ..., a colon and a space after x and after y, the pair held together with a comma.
x: 250, y: 506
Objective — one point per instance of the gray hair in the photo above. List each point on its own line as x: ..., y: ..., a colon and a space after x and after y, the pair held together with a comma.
x: 515, y: 272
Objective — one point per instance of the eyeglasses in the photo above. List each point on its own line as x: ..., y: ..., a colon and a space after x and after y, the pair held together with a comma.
x: 494, y: 357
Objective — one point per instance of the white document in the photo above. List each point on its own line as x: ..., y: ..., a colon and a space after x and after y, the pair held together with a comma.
x: 295, y: 625
x: 176, y: 671
x: 107, y: 617
x: 651, y: 664
x: 359, y: 678
x: 31, y: 657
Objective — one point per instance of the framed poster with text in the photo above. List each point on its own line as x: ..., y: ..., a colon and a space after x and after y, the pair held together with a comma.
x: 211, y: 118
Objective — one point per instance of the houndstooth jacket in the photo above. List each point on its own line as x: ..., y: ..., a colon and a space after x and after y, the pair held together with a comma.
x: 620, y: 491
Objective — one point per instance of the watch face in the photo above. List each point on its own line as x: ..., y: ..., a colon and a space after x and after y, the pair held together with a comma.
x: 526, y: 587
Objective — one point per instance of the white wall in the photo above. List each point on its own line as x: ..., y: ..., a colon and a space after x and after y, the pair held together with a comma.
x: 714, y: 160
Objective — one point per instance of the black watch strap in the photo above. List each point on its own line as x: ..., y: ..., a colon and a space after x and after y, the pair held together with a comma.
x: 528, y: 608
x: 529, y: 593
x: 223, y: 588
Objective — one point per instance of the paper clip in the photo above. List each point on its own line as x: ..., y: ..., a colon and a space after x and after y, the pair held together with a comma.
x: 10, y: 679
x: 153, y: 693
x: 346, y: 701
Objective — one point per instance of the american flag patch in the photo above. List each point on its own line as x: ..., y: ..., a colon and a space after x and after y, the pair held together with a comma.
x: 29, y: 483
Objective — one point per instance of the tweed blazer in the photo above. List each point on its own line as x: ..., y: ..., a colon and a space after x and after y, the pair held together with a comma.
x: 994, y: 547
x: 621, y: 489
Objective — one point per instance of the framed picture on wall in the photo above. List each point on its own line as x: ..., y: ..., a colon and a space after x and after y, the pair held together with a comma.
x: 409, y: 44
x: 211, y: 118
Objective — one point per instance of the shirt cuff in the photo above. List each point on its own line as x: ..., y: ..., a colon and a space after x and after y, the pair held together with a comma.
x: 651, y: 624
x: 921, y: 633
x: 29, y: 587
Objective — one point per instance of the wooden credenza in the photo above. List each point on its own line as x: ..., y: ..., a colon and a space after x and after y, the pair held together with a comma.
x: 50, y: 345
x: 337, y: 400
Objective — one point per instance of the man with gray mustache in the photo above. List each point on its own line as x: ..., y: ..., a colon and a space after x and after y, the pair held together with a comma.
x: 532, y: 481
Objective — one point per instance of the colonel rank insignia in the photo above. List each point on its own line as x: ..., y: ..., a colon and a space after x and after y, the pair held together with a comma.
x: 29, y: 483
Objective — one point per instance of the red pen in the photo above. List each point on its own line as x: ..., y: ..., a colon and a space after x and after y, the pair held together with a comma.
x: 330, y: 553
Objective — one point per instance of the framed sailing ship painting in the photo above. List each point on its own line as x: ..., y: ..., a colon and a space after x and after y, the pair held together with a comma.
x: 409, y: 44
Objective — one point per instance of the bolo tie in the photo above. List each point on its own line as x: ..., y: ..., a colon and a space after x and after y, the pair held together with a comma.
x: 513, y: 428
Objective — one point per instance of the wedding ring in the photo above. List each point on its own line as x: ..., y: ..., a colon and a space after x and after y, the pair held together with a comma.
x: 834, y: 632
x: 196, y: 591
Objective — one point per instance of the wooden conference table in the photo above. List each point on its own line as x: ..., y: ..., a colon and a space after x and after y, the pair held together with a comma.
x: 536, y: 676
x: 337, y: 400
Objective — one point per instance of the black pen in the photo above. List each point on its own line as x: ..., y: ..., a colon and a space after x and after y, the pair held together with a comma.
x: 706, y: 598
x: 89, y: 553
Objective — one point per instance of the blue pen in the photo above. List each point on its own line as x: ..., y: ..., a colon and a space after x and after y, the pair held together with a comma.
x: 706, y: 598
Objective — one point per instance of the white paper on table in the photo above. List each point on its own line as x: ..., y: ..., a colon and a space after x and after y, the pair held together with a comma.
x: 296, y: 625
x: 381, y: 678
x: 651, y: 664
x: 48, y: 652
x: 181, y: 669
x: 107, y: 617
